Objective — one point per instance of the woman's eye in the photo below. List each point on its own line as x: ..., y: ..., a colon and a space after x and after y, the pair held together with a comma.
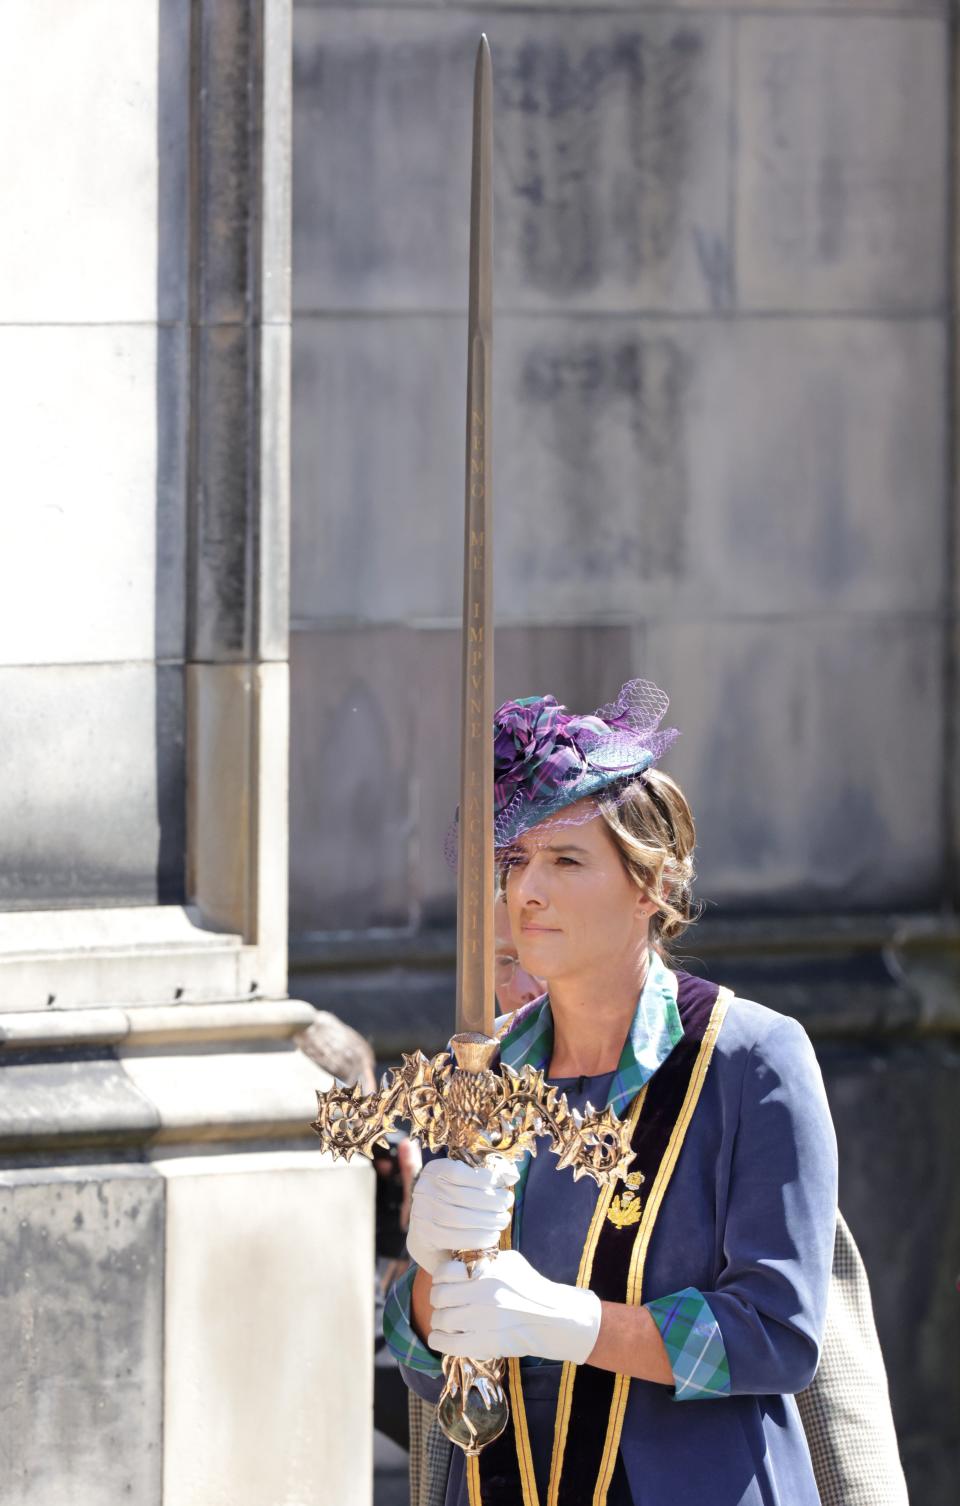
x: 568, y: 862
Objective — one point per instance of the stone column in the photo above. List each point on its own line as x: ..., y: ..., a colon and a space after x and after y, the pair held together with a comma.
x: 185, y: 1282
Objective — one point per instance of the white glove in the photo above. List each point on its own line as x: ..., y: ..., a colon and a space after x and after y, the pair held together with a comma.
x: 459, y: 1207
x: 508, y: 1308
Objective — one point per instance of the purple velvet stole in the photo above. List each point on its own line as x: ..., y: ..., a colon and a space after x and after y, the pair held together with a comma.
x: 593, y: 1390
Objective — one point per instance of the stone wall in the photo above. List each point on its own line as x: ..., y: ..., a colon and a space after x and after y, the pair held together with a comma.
x: 721, y: 459
x: 720, y: 427
x: 186, y: 1283
x: 94, y: 297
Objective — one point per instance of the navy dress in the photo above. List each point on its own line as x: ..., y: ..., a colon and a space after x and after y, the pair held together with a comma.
x: 748, y: 1220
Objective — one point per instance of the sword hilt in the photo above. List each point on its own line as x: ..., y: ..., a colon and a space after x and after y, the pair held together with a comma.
x: 475, y: 1054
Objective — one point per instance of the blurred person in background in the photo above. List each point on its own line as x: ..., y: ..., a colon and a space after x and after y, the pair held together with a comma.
x: 514, y: 986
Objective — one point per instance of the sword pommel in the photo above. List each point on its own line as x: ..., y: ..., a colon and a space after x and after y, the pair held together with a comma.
x: 475, y: 1053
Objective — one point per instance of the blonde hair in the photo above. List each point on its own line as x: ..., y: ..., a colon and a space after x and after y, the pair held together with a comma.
x: 652, y: 827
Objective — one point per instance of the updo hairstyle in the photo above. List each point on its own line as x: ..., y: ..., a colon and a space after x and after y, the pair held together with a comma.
x: 652, y: 826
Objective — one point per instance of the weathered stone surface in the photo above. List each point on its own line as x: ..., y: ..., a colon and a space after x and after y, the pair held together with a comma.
x: 57, y: 1027
x: 814, y: 452
x: 245, y: 1020
x: 353, y: 785
x: 95, y: 161
x: 223, y: 501
x: 377, y: 463
x: 92, y: 800
x: 81, y: 1306
x: 133, y: 975
x: 221, y: 722
x: 240, y: 501
x: 842, y: 161
x: 811, y: 753
x: 162, y: 1024
x: 271, y: 790
x: 628, y: 476
x: 855, y: 6
x: 236, y: 873
x: 611, y: 171
x: 635, y: 477
x: 897, y: 1113
x: 264, y: 1088
x: 594, y: 427
x: 228, y: 159
x: 276, y: 186
x: 269, y: 1313
x: 273, y: 532
x: 577, y: 407
x: 79, y: 1095
x: 92, y: 526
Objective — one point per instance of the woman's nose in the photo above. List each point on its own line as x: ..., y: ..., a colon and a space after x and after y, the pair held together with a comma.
x: 528, y: 885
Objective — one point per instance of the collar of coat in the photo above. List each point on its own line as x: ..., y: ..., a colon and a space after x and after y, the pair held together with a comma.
x: 526, y: 1036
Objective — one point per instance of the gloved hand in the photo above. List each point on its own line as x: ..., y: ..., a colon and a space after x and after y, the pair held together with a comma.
x: 459, y: 1207
x: 508, y: 1308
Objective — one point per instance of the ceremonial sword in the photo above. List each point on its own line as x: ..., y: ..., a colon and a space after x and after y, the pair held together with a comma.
x: 461, y: 1101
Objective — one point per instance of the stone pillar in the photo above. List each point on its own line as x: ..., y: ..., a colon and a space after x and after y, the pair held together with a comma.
x: 185, y: 1282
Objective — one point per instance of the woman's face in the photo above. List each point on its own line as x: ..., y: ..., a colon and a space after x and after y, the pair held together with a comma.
x: 574, y: 909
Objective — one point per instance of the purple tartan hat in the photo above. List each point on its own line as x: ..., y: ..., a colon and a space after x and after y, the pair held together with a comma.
x: 544, y: 759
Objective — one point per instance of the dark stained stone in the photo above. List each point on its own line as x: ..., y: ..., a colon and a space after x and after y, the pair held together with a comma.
x: 74, y: 1095
x: 222, y: 501
x: 897, y: 1112
x: 611, y: 160
x: 81, y: 1307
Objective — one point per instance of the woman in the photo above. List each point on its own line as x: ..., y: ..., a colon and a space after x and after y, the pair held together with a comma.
x: 658, y: 1331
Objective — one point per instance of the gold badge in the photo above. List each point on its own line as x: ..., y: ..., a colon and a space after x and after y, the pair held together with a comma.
x: 627, y: 1206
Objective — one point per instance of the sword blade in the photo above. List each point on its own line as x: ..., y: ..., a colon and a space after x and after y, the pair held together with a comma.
x: 475, y: 878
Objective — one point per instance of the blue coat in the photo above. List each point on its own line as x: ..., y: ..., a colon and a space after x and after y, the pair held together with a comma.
x: 748, y: 1221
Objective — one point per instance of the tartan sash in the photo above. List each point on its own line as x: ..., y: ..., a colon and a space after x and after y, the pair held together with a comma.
x: 592, y: 1402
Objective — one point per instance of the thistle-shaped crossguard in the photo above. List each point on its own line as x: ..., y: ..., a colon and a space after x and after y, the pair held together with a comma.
x: 472, y: 1111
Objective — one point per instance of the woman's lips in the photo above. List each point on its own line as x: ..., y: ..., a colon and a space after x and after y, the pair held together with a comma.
x: 541, y: 930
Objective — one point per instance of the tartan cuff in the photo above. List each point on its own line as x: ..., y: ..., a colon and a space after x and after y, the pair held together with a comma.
x: 694, y: 1345
x: 398, y: 1332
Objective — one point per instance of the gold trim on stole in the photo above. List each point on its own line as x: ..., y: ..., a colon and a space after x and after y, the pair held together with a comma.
x: 568, y: 1374
x: 521, y: 1430
x: 634, y: 1288
x: 638, y: 1258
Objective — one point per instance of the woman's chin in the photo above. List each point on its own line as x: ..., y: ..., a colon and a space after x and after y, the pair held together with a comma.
x: 541, y: 955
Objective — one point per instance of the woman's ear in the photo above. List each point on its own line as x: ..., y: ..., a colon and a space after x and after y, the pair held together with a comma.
x: 647, y: 906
